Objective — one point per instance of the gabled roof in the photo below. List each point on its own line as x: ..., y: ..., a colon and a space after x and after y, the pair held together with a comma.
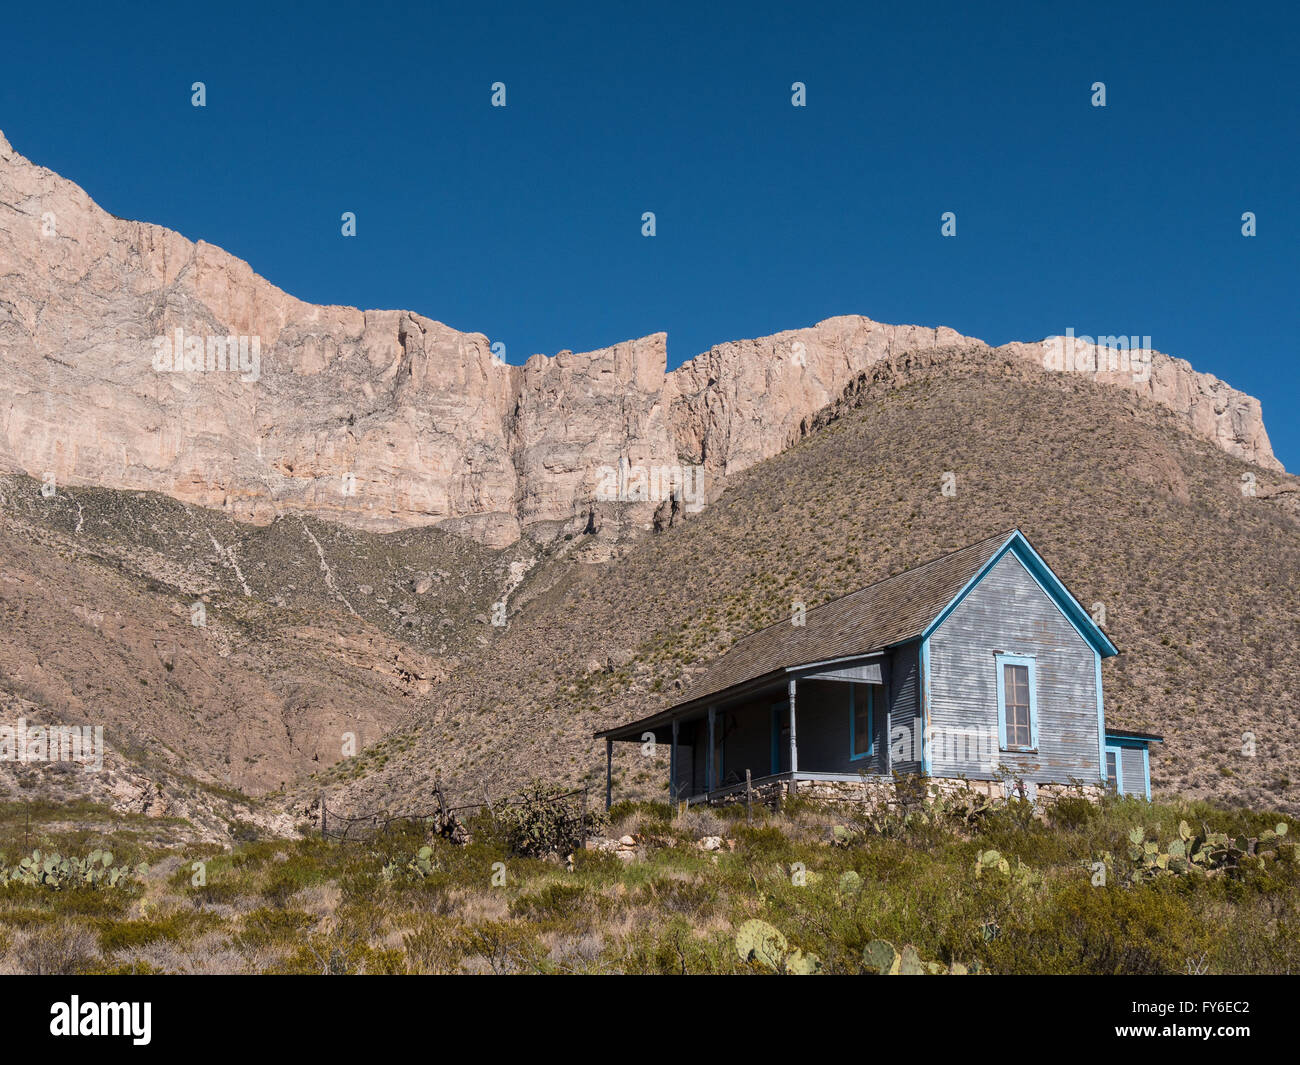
x: 905, y: 607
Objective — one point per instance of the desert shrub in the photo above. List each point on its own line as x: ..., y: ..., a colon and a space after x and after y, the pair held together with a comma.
x: 673, y: 895
x: 128, y: 935
x: 54, y: 950
x: 599, y: 865
x: 502, y: 947
x: 433, y: 947
x: 244, y: 831
x: 72, y: 903
x: 1072, y: 812
x: 134, y: 967
x: 673, y: 948
x: 1080, y: 929
x: 289, y: 878
x: 335, y: 954
x: 699, y: 822
x: 625, y: 808
x: 558, y: 901
x: 266, y: 927
x: 765, y: 843
x: 541, y: 821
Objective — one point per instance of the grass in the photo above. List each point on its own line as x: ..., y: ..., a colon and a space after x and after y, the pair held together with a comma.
x: 311, y: 906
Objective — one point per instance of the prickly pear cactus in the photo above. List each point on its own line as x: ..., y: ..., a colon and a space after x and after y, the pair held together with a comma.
x: 1206, y: 853
x: 797, y: 963
x: 761, y: 942
x: 421, y: 867
x: 58, y: 873
x: 880, y: 957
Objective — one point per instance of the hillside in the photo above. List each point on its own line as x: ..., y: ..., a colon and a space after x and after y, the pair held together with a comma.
x: 309, y: 632
x: 315, y: 630
x: 1198, y: 580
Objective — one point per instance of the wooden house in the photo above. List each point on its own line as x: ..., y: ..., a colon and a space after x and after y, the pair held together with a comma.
x: 978, y: 666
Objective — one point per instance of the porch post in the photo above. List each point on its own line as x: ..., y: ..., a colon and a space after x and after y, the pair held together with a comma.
x: 794, y: 746
x: 609, y: 771
x: 710, y: 770
x: 889, y: 730
x: 672, y: 770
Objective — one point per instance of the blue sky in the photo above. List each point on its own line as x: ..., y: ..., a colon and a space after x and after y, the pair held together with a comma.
x: 524, y: 222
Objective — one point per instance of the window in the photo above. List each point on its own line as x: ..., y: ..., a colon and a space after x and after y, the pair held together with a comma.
x: 1015, y: 687
x: 1017, y: 703
x: 1112, y: 770
x: 861, y: 714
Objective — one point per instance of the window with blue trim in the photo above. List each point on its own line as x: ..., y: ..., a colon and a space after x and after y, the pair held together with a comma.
x: 1112, y: 769
x: 1017, y: 703
x: 861, y: 716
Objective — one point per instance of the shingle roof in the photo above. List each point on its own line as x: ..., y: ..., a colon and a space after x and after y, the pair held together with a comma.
x: 883, y: 614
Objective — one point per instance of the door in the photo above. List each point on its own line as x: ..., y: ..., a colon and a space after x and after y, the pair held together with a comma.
x: 1114, y: 771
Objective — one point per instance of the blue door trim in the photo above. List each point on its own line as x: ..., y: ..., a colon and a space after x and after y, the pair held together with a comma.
x: 1110, y: 748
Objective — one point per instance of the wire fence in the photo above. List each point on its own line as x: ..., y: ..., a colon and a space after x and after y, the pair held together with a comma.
x: 568, y: 812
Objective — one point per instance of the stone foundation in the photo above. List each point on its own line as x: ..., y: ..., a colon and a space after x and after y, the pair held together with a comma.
x: 878, y: 793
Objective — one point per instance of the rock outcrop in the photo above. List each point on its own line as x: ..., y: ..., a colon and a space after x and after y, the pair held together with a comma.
x: 387, y: 419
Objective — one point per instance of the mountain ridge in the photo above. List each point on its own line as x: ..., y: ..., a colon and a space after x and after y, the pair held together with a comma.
x: 387, y: 419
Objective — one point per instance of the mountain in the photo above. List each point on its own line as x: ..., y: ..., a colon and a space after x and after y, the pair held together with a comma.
x: 387, y: 420
x: 476, y: 608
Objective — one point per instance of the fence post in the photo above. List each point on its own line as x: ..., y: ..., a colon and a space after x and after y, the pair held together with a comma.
x: 582, y: 823
x: 442, y: 801
x: 749, y: 797
x: 323, y: 826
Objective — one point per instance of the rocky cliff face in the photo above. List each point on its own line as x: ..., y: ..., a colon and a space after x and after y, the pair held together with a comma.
x: 133, y: 358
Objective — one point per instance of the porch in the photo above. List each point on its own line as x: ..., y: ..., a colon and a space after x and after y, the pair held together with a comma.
x: 824, y: 722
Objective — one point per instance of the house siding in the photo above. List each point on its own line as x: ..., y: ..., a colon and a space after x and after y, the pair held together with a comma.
x: 1007, y: 611
x: 905, y: 707
x: 822, y: 723
x: 1133, y: 767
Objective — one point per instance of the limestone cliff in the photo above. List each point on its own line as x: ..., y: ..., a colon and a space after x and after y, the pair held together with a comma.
x: 387, y: 419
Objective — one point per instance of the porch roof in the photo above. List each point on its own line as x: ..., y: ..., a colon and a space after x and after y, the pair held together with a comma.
x: 1128, y: 734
